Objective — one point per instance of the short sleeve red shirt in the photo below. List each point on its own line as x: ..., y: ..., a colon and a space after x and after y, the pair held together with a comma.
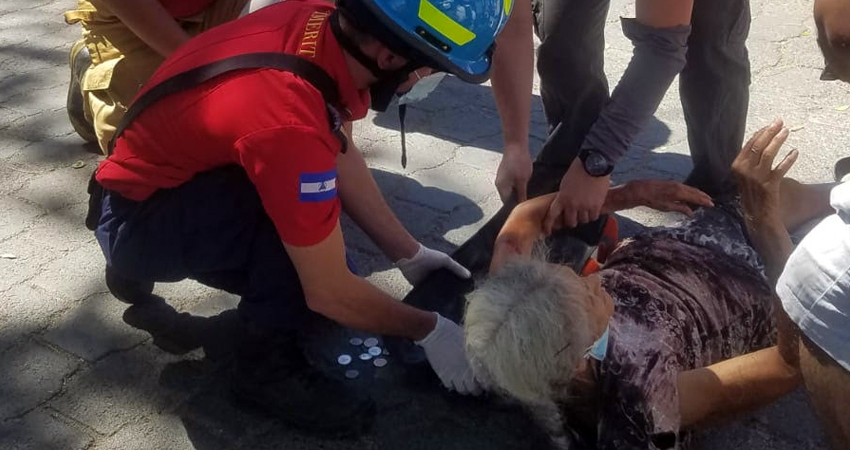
x: 272, y: 123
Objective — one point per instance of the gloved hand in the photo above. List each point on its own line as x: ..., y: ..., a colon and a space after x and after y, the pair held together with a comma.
x: 445, y: 348
x: 425, y: 260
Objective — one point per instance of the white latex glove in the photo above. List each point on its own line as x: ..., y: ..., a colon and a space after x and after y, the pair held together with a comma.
x: 445, y: 349
x: 425, y: 260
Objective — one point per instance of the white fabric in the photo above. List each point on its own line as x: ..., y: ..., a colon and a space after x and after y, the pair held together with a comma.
x: 425, y: 260
x: 445, y: 348
x: 815, y: 286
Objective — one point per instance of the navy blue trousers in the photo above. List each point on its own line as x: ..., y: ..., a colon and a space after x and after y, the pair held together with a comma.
x: 212, y: 229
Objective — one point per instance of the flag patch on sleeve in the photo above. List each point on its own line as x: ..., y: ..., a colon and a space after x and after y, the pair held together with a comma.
x: 317, y: 187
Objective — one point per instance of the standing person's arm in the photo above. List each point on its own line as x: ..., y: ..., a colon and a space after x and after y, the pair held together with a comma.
x: 659, y: 33
x: 151, y: 22
x: 512, y: 78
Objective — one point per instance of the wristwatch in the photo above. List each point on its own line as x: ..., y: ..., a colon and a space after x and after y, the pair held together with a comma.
x: 595, y: 163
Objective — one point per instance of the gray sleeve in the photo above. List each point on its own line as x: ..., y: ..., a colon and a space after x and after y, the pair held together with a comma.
x: 659, y: 55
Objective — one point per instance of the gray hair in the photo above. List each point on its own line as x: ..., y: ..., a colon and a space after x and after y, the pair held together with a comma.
x: 527, y: 329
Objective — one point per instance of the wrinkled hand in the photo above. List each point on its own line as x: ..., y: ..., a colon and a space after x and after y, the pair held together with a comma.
x: 666, y: 196
x: 445, y: 348
x: 513, y: 173
x: 758, y: 181
x: 579, y: 199
x: 425, y: 260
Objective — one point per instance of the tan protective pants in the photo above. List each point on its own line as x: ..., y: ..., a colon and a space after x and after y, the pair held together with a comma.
x: 122, y: 63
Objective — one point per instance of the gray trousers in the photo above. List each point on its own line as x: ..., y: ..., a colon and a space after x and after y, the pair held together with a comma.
x: 714, y: 85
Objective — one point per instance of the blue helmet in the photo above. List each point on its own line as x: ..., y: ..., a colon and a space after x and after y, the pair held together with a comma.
x: 455, y: 36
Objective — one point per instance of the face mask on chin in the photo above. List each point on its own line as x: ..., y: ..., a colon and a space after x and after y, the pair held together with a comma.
x: 599, y: 348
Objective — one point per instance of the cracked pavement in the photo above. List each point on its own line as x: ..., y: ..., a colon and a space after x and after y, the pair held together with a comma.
x: 78, y: 375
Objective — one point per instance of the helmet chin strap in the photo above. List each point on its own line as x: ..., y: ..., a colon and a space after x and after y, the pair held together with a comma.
x: 353, y: 49
x: 382, y: 90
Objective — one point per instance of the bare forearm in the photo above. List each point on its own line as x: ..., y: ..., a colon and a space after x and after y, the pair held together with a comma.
x: 151, y: 22
x: 771, y: 240
x: 737, y: 385
x: 512, y: 76
x: 362, y: 306
x: 365, y: 204
x: 525, y: 224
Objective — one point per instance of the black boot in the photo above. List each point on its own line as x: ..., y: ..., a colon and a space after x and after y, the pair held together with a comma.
x: 128, y: 291
x: 273, y: 376
x: 80, y: 61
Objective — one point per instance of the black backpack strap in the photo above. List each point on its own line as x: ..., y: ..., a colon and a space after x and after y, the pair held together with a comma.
x: 307, y: 70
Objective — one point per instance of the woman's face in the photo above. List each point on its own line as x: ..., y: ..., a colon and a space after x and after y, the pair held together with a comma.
x: 600, y: 305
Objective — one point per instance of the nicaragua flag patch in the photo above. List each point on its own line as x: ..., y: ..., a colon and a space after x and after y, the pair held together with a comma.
x: 317, y: 187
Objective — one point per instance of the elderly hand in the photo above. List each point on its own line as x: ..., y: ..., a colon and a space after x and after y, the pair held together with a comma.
x: 758, y: 180
x: 662, y: 195
x: 513, y: 173
x: 445, y: 348
x: 425, y: 260
x: 579, y: 199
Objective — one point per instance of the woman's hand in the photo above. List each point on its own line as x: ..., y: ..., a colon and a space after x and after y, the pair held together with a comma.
x: 758, y: 180
x: 523, y: 227
x: 661, y: 195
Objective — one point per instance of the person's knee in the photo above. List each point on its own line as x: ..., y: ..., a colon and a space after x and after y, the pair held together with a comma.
x: 828, y: 386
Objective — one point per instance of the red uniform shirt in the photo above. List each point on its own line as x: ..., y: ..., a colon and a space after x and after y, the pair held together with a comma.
x: 272, y: 123
x: 185, y: 8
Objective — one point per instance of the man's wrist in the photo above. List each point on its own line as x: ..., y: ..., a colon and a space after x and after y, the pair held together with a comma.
x: 423, y: 327
x: 516, y: 147
x: 405, y: 249
x: 595, y: 162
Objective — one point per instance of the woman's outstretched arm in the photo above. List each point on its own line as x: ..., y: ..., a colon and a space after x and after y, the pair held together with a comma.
x: 525, y: 224
x: 723, y: 390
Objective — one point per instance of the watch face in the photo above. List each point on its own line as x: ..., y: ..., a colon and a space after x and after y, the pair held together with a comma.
x: 596, y: 164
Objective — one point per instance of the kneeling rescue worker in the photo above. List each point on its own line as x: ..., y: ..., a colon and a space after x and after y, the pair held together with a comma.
x: 231, y: 169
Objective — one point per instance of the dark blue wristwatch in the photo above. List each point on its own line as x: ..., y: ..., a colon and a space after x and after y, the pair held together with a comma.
x: 595, y: 163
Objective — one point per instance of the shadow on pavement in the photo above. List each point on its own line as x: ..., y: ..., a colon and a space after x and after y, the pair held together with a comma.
x: 466, y: 114
x: 414, y: 411
x: 427, y: 212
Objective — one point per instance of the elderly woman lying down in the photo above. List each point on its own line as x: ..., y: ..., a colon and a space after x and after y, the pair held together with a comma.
x: 651, y: 345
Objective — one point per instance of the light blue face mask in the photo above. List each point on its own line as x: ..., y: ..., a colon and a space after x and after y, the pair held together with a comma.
x: 599, y: 348
x: 422, y: 88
